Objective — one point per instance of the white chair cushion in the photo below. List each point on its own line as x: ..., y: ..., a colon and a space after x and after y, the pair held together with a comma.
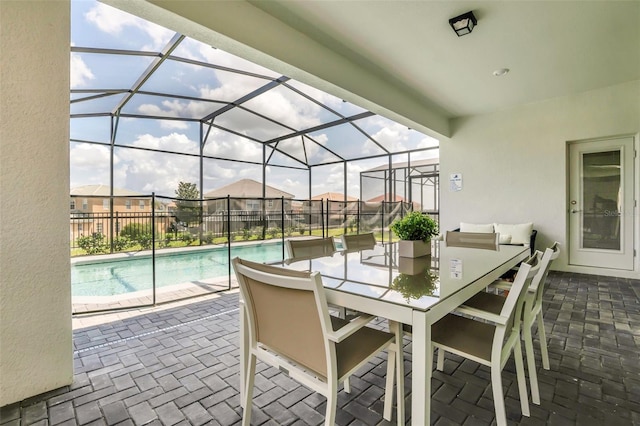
x: 520, y: 233
x: 505, y: 239
x: 473, y: 227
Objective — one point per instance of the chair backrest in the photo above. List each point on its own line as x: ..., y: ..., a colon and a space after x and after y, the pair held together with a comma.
x: 359, y: 241
x: 512, y: 308
x: 479, y: 240
x: 287, y: 313
x: 537, y: 284
x: 310, y: 248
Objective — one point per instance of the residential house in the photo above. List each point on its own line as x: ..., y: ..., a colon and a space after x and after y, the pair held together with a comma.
x: 245, y: 196
x: 90, y: 208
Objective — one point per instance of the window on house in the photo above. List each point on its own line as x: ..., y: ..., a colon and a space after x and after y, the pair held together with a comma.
x: 85, y: 204
x: 80, y: 228
x: 253, y: 205
x: 72, y: 205
x: 127, y: 204
x: 117, y: 227
x: 141, y: 204
x: 105, y: 204
x: 270, y: 203
x: 99, y: 227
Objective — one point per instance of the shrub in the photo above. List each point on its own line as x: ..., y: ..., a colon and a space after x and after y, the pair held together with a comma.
x: 186, y: 237
x: 121, y: 243
x: 273, y: 232
x: 94, y: 244
x: 247, y: 233
x: 134, y: 230
x: 145, y: 240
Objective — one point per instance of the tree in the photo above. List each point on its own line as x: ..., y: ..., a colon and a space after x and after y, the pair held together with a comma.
x: 187, y: 211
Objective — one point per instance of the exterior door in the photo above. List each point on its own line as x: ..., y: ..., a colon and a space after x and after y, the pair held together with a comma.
x: 601, y: 203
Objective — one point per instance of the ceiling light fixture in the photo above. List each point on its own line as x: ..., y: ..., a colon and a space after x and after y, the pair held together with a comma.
x: 501, y: 72
x: 463, y: 24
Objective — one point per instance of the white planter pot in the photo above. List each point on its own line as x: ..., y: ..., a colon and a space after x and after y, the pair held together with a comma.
x: 414, y: 265
x: 413, y: 248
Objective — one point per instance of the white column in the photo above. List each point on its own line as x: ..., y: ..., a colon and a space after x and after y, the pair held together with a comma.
x: 35, y: 293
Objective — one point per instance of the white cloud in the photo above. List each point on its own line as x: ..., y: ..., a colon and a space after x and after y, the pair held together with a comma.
x: 80, y: 72
x: 227, y: 145
x: 176, y: 108
x: 173, y: 124
x: 172, y: 142
x: 114, y: 21
x: 89, y: 164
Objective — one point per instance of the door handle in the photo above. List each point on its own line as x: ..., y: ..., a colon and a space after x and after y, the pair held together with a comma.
x: 575, y: 211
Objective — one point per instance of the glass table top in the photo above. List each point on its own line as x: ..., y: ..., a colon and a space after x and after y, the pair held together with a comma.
x: 420, y: 283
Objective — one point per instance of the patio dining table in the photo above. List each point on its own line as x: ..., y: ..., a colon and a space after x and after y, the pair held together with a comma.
x: 416, y: 292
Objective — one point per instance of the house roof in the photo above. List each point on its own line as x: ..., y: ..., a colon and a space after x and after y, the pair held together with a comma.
x: 247, y: 188
x: 101, y: 191
x: 333, y: 196
x: 383, y: 197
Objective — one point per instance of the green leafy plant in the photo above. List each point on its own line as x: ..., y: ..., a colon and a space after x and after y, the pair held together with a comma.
x: 96, y: 243
x: 274, y: 232
x: 413, y: 287
x: 145, y: 241
x: 135, y: 230
x: 121, y: 243
x: 415, y: 226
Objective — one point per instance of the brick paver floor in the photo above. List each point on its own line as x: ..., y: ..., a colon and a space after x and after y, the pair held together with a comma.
x: 179, y: 365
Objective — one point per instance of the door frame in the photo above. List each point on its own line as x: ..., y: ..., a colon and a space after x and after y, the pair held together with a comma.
x: 635, y: 216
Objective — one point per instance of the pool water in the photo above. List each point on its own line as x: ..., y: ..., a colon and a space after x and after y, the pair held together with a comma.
x: 135, y: 274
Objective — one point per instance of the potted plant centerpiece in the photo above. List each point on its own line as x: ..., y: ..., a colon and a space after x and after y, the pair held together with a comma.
x: 415, y: 231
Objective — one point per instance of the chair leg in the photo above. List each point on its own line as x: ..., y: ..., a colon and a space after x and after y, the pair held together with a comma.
x: 543, y: 342
x: 531, y: 362
x: 398, y: 356
x: 248, y: 390
x: 522, y: 380
x: 498, y: 394
x: 440, y: 363
x: 347, y: 385
x: 388, y: 391
x: 332, y: 403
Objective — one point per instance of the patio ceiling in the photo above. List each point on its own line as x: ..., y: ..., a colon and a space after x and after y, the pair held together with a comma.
x: 401, y: 59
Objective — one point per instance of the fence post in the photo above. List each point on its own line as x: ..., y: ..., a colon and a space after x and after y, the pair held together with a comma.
x: 282, y: 222
x: 228, y: 237
x: 382, y: 221
x: 153, y: 244
x: 358, y: 218
x: 322, y: 215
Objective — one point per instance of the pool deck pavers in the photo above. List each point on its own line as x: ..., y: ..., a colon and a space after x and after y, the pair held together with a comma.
x: 178, y: 365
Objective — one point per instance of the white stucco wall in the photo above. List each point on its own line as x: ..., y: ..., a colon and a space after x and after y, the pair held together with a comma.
x: 35, y: 293
x: 514, y: 162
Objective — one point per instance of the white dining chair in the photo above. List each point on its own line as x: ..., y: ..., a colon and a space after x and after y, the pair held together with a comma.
x: 290, y: 329
x: 477, y: 240
x: 299, y: 249
x: 490, y: 338
x: 359, y: 241
x: 531, y: 314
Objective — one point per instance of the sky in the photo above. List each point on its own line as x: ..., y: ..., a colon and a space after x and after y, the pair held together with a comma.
x: 202, y: 90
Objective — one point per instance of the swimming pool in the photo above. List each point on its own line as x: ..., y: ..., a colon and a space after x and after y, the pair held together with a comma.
x: 126, y: 275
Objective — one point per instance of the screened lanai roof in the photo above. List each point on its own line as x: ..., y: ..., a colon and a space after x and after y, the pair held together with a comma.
x: 137, y: 85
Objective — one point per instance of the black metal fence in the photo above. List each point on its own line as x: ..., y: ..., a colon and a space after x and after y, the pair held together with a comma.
x: 135, y: 223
